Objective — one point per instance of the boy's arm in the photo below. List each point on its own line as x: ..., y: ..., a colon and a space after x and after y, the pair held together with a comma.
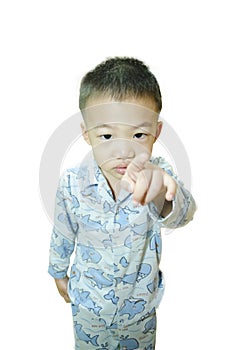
x: 180, y: 210
x: 63, y: 237
x: 152, y: 182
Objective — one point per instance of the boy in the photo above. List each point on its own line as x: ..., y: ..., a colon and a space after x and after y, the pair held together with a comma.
x: 111, y: 209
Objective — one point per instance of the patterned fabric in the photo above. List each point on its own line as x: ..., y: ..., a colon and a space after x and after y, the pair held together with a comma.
x: 93, y: 332
x: 115, y: 275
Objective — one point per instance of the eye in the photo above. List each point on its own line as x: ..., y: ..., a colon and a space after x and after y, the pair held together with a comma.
x: 106, y: 137
x: 140, y: 135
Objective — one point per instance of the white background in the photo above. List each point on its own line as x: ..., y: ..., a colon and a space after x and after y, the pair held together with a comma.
x: 46, y: 47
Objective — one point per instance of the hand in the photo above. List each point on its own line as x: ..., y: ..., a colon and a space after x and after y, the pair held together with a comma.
x: 62, y: 286
x: 148, y: 182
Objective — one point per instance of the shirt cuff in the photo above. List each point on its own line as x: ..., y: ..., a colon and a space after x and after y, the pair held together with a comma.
x: 175, y: 217
x: 56, y: 274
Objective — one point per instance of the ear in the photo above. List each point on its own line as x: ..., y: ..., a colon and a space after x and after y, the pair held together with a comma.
x: 85, y: 133
x: 158, y: 129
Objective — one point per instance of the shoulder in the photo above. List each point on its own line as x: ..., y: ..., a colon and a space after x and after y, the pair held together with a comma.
x: 78, y: 177
x: 69, y: 177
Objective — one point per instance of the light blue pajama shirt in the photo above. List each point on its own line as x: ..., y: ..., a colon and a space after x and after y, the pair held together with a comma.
x: 115, y: 282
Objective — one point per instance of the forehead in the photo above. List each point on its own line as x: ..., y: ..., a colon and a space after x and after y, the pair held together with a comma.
x: 124, y: 113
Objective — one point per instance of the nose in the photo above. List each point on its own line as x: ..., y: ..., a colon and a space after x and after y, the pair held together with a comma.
x: 123, y: 149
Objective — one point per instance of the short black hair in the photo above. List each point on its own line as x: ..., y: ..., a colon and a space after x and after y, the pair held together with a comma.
x: 120, y: 78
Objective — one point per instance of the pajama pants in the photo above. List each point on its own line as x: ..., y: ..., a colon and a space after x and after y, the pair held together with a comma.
x: 93, y: 332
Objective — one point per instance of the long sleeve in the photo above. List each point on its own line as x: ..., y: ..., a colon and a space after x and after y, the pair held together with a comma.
x: 64, y: 230
x: 183, y: 205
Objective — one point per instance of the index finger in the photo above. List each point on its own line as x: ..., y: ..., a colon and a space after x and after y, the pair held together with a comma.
x: 137, y: 164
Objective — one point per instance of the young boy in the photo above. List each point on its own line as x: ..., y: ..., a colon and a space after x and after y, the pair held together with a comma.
x: 111, y: 209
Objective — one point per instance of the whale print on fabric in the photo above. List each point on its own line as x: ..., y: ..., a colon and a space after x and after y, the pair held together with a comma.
x: 89, y: 254
x: 65, y: 219
x: 122, y: 217
x: 108, y: 208
x: 91, y: 193
x: 97, y: 279
x: 124, y: 262
x: 128, y: 343
x: 84, y: 336
x: 132, y: 307
x: 91, y: 225
x: 65, y: 249
x: 111, y: 296
x: 142, y: 272
x: 83, y: 298
x: 150, y: 326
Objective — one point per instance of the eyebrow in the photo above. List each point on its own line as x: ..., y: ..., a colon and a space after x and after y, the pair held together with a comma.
x: 109, y: 126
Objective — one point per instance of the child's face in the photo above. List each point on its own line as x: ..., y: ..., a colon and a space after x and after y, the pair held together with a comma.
x: 119, y: 131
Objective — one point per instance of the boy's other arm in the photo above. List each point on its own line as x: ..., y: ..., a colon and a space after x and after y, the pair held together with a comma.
x: 62, y: 286
x: 63, y: 237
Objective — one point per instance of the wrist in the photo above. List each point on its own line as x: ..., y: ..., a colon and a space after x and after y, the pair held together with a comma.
x: 62, y: 278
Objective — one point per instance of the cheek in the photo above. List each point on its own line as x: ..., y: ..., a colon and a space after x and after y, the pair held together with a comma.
x: 102, y: 153
x: 148, y: 144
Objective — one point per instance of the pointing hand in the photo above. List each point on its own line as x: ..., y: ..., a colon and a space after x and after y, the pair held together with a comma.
x: 147, y: 181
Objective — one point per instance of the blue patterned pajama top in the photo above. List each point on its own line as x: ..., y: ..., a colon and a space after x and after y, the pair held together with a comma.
x: 117, y: 246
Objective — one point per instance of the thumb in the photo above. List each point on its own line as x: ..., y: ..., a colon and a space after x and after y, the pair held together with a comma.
x: 171, y: 186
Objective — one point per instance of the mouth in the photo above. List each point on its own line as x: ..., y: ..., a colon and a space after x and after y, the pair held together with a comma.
x: 121, y: 169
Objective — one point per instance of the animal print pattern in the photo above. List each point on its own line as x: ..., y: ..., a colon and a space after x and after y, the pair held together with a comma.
x: 115, y: 282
